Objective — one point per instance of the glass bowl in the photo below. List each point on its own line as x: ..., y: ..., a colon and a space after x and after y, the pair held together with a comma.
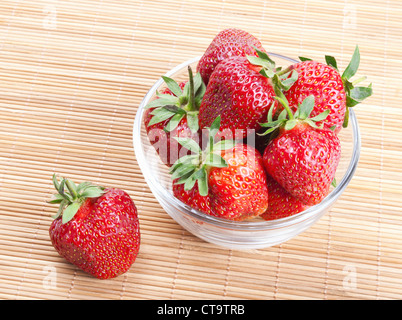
x: 241, y: 235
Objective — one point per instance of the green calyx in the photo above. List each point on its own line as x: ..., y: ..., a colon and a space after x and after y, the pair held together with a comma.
x: 269, y: 70
x: 183, y: 103
x: 288, y: 120
x: 194, y: 168
x: 281, y: 80
x: 70, y: 196
x: 354, y: 94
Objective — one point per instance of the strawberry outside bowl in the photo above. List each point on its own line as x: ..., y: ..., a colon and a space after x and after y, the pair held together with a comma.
x: 241, y: 235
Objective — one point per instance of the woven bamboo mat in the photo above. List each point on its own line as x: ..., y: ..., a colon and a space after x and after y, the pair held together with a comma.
x: 72, y: 74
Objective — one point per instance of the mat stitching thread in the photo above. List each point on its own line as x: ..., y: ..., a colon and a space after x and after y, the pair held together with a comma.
x: 262, y: 20
x: 328, y: 255
x: 176, y: 272
x: 303, y: 24
x: 277, y: 272
x: 72, y: 284
x: 3, y: 41
x: 225, y: 291
x: 221, y: 15
x: 123, y: 286
x: 174, y: 45
x: 382, y: 153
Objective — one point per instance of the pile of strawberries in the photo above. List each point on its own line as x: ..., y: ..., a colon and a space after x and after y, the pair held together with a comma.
x: 245, y: 138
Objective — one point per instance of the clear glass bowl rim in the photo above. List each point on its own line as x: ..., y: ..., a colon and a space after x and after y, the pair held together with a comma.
x: 248, y: 225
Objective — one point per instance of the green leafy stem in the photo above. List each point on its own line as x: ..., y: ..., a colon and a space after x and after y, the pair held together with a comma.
x: 71, y: 196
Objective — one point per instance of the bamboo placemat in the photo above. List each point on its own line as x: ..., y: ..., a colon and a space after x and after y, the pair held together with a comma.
x: 72, y: 74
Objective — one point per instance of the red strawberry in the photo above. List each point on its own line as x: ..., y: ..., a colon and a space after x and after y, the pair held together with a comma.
x: 167, y: 147
x: 332, y: 91
x: 240, y: 90
x: 174, y: 113
x: 227, y: 43
x: 281, y: 203
x: 239, y: 191
x: 230, y: 175
x: 303, y: 158
x: 192, y: 197
x: 325, y: 83
x: 96, y: 229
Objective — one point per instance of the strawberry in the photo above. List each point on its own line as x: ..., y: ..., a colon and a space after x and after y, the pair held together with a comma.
x: 230, y: 175
x: 241, y: 91
x: 192, y: 197
x: 227, y: 43
x: 96, y: 229
x: 281, y: 203
x: 167, y: 148
x: 239, y: 191
x: 174, y: 113
x: 302, y: 158
x: 332, y: 91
